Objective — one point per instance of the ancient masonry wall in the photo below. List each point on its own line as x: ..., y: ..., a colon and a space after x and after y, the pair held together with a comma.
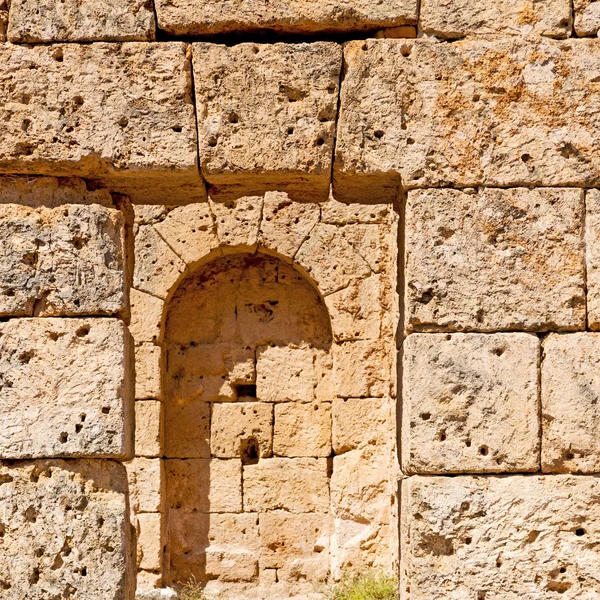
x: 298, y: 289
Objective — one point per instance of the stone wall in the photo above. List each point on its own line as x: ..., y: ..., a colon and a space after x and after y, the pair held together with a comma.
x: 294, y: 290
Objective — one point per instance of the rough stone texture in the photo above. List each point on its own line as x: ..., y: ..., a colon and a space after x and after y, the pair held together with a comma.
x: 149, y: 437
x: 91, y: 110
x: 302, y: 429
x: 283, y: 94
x: 80, y: 21
x: 65, y: 531
x: 470, y: 403
x: 146, y: 478
x: 452, y: 19
x: 4, y: 7
x: 187, y: 429
x: 149, y: 541
x: 570, y: 393
x: 592, y: 257
x: 587, y: 17
x: 63, y: 261
x: 362, y: 369
x: 495, y: 260
x: 65, y: 388
x: 146, y: 317
x: 525, y: 537
x: 498, y: 111
x: 202, y: 17
x: 147, y: 372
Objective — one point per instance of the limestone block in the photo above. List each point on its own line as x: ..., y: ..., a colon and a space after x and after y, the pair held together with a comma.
x: 298, y: 485
x: 149, y: 438
x: 61, y: 261
x: 234, y: 425
x: 65, y: 531
x: 325, y: 248
x: 148, y: 583
x: 377, y: 244
x: 334, y: 212
x: 147, y: 371
x: 187, y: 428
x: 146, y: 317
x: 587, y: 17
x: 157, y: 267
x: 78, y: 116
x: 46, y: 21
x: 201, y: 17
x: 592, y: 255
x: 302, y: 429
x: 284, y: 95
x: 231, y: 565
x: 4, y: 6
x: 204, y: 485
x: 238, y: 222
x: 146, y: 484
x: 65, y: 388
x: 495, y: 260
x: 149, y: 541
x: 570, y: 393
x: 149, y: 214
x: 498, y: 111
x: 362, y: 369
x: 524, y: 537
x: 470, y: 403
x: 449, y: 19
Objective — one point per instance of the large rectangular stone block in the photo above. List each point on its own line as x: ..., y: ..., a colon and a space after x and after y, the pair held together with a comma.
x: 65, y: 388
x: 470, y: 403
x: 65, y: 531
x: 46, y: 21
x: 498, y: 111
x: 493, y: 259
x: 284, y: 95
x: 526, y: 537
x: 202, y: 17
x: 121, y: 114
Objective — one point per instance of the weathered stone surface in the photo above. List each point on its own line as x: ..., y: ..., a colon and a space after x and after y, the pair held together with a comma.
x: 146, y: 484
x: 61, y: 261
x: 4, y: 6
x: 592, y: 256
x: 503, y: 111
x: 147, y: 371
x: 146, y: 317
x: 570, y: 412
x: 149, y: 438
x: 93, y: 111
x: 238, y: 222
x: 65, y: 388
x: 283, y: 94
x: 525, y: 537
x: 298, y: 485
x: 470, y: 403
x: 452, y: 19
x: 201, y: 17
x: 362, y: 369
x: 587, y: 17
x: 187, y: 428
x: 149, y: 541
x: 65, y: 531
x: 80, y: 21
x: 495, y: 260
x: 302, y: 429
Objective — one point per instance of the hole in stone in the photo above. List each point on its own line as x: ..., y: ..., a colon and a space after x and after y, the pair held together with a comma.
x: 58, y: 55
x: 233, y: 117
x: 468, y: 541
x: 442, y: 436
x: 246, y: 391
x: 78, y: 101
x: 105, y: 410
x: 499, y: 351
x: 83, y: 331
x: 290, y: 130
x: 250, y: 451
x: 425, y: 416
x: 483, y: 450
x: 525, y: 157
x: 78, y: 428
x: 580, y: 532
x: 320, y: 141
x: 378, y: 134
x: 64, y: 437
x: 406, y: 50
x: 563, y: 570
x: 25, y: 357
x: 177, y: 129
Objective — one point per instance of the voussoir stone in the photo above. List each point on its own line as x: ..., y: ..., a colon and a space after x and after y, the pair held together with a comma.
x: 65, y: 531
x: 66, y: 388
x: 525, y: 537
x: 496, y: 111
x: 284, y: 95
x: 80, y: 21
x: 201, y: 17
x: 93, y: 110
x: 494, y: 259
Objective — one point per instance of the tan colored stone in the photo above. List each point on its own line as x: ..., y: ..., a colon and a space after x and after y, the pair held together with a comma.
x: 376, y: 244
x: 149, y: 214
x: 341, y: 213
x: 65, y: 531
x: 148, y: 582
x: 587, y: 17
x: 302, y: 429
x: 46, y: 21
x: 4, y: 6
x: 298, y: 485
x: 65, y: 388
x: 495, y: 260
x: 570, y: 412
x: 362, y: 369
x: 204, y: 485
x: 149, y: 438
x: 233, y: 425
x: 284, y: 95
x: 149, y: 541
x: 200, y: 17
x: 146, y: 484
x: 147, y: 371
x: 452, y: 19
x: 238, y: 222
x: 187, y: 428
x: 592, y: 257
x: 470, y: 403
x: 526, y: 537
x: 498, y: 111
x: 91, y: 110
x: 404, y: 31
x: 60, y: 261
x: 146, y: 317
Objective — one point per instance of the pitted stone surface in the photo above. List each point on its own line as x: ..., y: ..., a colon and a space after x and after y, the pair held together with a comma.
x: 65, y: 531
x: 46, y: 21
x: 65, y: 388
x: 494, y: 259
x: 526, y: 537
x: 93, y: 110
x: 592, y: 256
x: 282, y: 94
x: 587, y: 17
x: 470, y: 403
x: 497, y: 111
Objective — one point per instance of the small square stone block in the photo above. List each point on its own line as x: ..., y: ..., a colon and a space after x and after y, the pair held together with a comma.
x: 149, y: 438
x: 146, y: 484
x: 302, y: 429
